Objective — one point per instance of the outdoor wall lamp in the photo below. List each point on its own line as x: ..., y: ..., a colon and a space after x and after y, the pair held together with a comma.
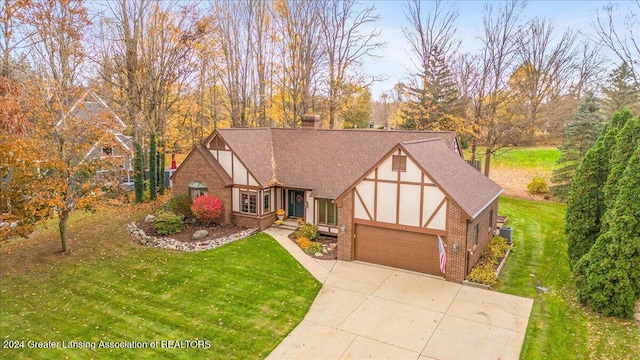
x: 455, y: 246
x: 343, y: 228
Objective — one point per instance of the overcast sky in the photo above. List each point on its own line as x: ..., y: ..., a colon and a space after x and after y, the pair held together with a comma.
x: 394, y: 58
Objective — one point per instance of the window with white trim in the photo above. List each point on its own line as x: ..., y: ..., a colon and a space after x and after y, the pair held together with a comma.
x: 327, y: 212
x: 248, y: 202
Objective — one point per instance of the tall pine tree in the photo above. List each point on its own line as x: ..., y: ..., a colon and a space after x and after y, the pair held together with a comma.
x: 585, y: 202
x: 608, y: 277
x: 153, y: 168
x: 433, y: 103
x: 622, y: 92
x: 626, y: 141
x: 579, y: 137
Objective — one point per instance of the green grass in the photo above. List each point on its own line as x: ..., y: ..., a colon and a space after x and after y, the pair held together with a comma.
x: 243, y: 298
x: 559, y: 328
x: 539, y: 158
x: 528, y: 158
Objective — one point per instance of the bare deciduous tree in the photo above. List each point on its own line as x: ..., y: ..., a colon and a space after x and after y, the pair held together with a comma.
x: 344, y: 29
x: 545, y: 72
x: 494, y: 65
x: 621, y: 35
x: 301, y: 52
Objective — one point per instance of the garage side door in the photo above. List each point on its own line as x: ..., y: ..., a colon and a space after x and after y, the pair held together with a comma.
x: 397, y: 248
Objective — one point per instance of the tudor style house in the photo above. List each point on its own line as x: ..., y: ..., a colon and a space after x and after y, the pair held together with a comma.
x: 386, y: 195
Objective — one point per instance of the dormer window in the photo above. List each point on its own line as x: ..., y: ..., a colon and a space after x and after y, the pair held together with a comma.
x: 399, y: 163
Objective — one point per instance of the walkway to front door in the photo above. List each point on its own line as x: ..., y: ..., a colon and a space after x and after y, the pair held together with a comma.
x: 295, y: 203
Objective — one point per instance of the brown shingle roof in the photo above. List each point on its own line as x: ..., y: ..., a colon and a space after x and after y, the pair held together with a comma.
x: 325, y: 161
x: 329, y: 161
x: 254, y: 148
x: 469, y: 188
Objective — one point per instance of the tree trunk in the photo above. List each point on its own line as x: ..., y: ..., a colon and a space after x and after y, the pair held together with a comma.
x: 62, y: 225
x: 487, y: 161
x: 138, y: 171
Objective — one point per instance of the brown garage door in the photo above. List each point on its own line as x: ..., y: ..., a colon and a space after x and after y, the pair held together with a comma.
x: 397, y: 248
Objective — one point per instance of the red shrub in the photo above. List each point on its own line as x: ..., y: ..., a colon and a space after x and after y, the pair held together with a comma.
x: 206, y: 208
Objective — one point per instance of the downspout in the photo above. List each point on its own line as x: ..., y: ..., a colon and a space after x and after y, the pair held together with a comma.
x: 467, y: 250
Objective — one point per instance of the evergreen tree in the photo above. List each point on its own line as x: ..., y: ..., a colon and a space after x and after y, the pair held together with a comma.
x: 579, y: 137
x: 161, y: 167
x: 626, y: 141
x: 138, y: 174
x: 433, y: 104
x: 608, y: 277
x: 622, y: 91
x: 585, y: 202
x: 153, y: 168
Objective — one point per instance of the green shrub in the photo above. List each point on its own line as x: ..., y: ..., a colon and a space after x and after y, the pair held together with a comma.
x: 181, y: 205
x: 538, y: 186
x: 313, y: 248
x: 167, y: 223
x: 308, y: 231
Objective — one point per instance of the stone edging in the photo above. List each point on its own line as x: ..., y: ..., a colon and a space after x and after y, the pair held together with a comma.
x: 138, y: 235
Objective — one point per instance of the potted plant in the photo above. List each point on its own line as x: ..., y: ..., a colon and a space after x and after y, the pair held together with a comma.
x: 280, y: 214
x: 278, y: 222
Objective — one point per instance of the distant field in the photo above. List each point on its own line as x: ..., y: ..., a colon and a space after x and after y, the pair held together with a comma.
x: 514, y: 168
x: 559, y: 328
x: 539, y: 158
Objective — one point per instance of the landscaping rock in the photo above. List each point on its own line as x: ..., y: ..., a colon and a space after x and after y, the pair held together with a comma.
x: 318, y: 254
x: 190, y: 220
x: 149, y: 219
x: 199, y: 234
x: 139, y: 236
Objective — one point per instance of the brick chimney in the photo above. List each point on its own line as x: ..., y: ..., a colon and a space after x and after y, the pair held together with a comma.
x: 310, y: 121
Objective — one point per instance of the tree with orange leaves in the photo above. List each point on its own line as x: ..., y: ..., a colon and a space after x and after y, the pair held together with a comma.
x: 63, y: 132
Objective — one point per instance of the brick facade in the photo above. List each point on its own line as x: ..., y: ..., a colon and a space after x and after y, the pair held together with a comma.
x: 252, y: 220
x: 456, y: 233
x: 197, y: 168
x: 485, y: 232
x: 345, y: 218
x: 459, y: 231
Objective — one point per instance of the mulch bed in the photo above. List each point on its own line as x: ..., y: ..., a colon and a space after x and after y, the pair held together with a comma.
x: 215, y: 231
x: 324, y: 240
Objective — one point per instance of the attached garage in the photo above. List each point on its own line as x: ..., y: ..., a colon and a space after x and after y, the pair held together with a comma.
x: 397, y: 248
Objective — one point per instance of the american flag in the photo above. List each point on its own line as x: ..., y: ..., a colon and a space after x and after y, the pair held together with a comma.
x: 443, y: 255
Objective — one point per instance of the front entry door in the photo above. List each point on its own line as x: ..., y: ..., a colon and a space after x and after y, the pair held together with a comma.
x: 296, y: 204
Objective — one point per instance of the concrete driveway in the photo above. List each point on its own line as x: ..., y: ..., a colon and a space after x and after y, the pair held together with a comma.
x: 375, y: 312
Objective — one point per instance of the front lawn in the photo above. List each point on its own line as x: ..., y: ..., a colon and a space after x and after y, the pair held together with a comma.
x: 559, y: 328
x: 241, y: 299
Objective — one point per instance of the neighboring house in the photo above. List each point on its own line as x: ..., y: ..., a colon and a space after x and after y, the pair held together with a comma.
x: 113, y: 144
x: 387, y: 195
